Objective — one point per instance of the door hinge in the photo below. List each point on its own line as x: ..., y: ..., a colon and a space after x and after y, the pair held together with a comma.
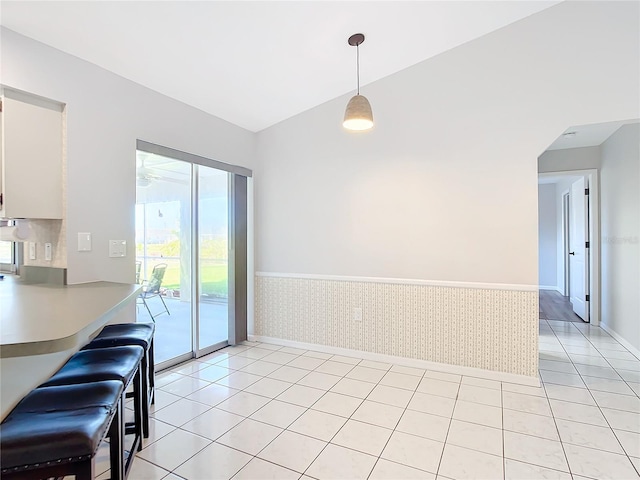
x: 586, y: 191
x: 586, y: 244
x: 587, y: 298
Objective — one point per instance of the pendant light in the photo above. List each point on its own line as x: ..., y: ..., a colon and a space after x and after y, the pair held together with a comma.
x: 358, y: 115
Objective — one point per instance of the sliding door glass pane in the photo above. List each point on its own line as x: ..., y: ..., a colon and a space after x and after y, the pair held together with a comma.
x: 213, y: 261
x: 163, y: 251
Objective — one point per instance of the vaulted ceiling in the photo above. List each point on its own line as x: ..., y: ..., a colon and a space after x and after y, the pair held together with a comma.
x: 256, y: 63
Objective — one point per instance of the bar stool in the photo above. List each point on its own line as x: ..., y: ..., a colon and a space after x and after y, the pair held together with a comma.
x: 141, y: 334
x: 115, y: 363
x: 56, y: 431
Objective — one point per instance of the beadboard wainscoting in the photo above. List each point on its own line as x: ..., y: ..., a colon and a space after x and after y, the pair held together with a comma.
x: 481, y: 326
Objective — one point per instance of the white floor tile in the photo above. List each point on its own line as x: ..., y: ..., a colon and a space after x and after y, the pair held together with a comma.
x: 424, y: 425
x: 633, y: 365
x: 596, y: 371
x: 268, y: 387
x: 608, y: 385
x: 397, y: 397
x: 418, y: 372
x: 162, y: 399
x: 447, y: 377
x: 235, y: 362
x: 535, y: 450
x: 440, y: 388
x: 515, y: 470
x: 588, y: 360
x: 301, y: 395
x: 278, y: 413
x: 417, y: 452
x: 481, y: 382
x: 462, y: 464
x: 143, y: 470
x: 243, y: 403
x: 255, y: 353
x: 337, y: 404
x: 165, y: 378
x: 212, y: 373
x: 188, y: 368
x: 377, y: 365
x: 629, y: 375
x: 258, y: 469
x: 347, y: 360
x: 386, y: 470
x: 617, y: 354
x: 334, y: 368
x: 432, y: 404
x: 316, y: 424
x: 353, y: 388
x: 485, y: 396
x: 261, y: 368
x: 157, y: 430
x: 378, y: 414
x: 270, y: 346
x: 567, y: 379
x: 306, y: 363
x: 323, y: 381
x: 363, y: 437
x: 181, y: 412
x: 339, y: 462
x: 527, y: 390
x: 599, y: 464
x: 249, y: 436
x: 216, y: 462
x: 622, y: 420
x: 213, y: 394
x: 554, y: 356
x: 400, y: 380
x: 630, y: 442
x: 476, y: 437
x: 530, y: 424
x: 577, y: 412
x: 212, y: 423
x: 213, y: 358
x: 185, y: 386
x: 616, y: 401
x: 366, y: 374
x: 635, y: 386
x: 292, y: 450
x: 477, y: 413
x: 280, y: 357
x: 239, y: 380
x: 590, y: 436
x: 556, y: 366
x: 569, y: 394
x: 174, y: 449
x: 320, y: 355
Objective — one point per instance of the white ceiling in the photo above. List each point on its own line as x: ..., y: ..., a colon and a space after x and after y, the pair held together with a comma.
x: 587, y: 135
x: 257, y: 63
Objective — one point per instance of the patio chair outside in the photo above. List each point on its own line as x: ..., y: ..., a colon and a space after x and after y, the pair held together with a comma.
x: 151, y: 289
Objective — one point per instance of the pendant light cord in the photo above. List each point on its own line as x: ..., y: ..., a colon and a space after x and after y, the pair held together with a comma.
x: 358, y: 66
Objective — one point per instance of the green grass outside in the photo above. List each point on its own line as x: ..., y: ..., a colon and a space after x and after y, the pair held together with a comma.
x: 214, y: 278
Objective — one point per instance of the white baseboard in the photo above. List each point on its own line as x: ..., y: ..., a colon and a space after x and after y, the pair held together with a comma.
x: 548, y: 287
x: 634, y: 351
x: 406, y: 362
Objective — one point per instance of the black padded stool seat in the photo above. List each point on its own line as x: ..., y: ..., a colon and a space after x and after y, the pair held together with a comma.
x: 140, y: 334
x: 117, y: 363
x: 55, y: 429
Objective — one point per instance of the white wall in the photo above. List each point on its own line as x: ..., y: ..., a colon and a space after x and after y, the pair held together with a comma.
x: 445, y: 186
x: 583, y: 158
x: 547, y: 236
x: 620, y: 227
x: 105, y: 116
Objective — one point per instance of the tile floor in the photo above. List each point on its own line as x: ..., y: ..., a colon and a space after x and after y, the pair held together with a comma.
x: 258, y: 411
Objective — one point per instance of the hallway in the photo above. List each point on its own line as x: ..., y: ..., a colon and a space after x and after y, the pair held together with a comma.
x: 554, y: 306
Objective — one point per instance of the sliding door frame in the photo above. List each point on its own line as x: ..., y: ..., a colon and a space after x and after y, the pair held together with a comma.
x: 238, y: 217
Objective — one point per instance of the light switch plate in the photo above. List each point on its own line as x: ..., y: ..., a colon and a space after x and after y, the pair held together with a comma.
x: 47, y: 252
x: 32, y: 250
x: 117, y: 248
x: 84, y: 242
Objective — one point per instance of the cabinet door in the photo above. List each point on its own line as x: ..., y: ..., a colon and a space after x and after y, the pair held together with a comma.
x: 31, y: 156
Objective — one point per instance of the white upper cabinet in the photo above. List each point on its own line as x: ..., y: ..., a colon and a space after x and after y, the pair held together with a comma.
x: 31, y: 146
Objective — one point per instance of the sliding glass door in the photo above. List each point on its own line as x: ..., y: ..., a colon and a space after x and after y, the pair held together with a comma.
x: 183, y: 231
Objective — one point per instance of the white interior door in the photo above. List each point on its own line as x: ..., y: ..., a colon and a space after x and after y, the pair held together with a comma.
x: 578, y: 253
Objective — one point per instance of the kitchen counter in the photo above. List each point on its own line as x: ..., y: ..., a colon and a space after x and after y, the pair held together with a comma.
x: 43, y: 318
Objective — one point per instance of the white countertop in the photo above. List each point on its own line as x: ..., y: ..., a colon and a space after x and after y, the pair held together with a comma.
x: 44, y: 318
